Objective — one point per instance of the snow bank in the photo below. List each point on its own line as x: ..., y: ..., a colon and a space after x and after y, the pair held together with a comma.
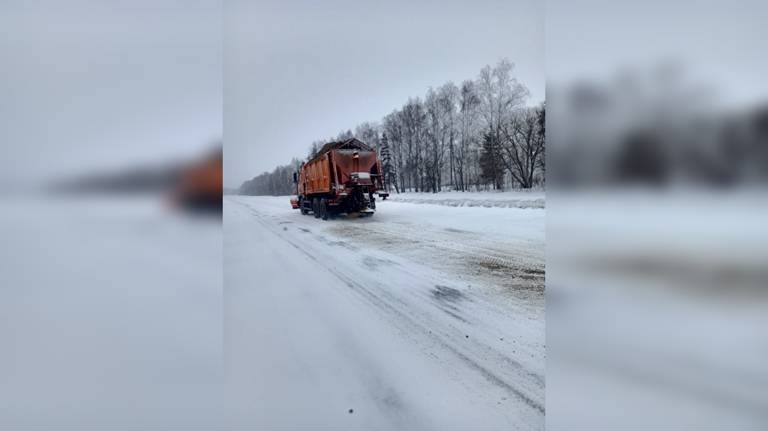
x: 514, y: 199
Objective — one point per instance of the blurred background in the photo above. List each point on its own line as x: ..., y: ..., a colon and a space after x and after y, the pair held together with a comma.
x: 110, y: 203
x: 656, y: 234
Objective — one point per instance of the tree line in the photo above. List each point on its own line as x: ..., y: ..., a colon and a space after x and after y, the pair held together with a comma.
x: 279, y: 182
x: 479, y: 135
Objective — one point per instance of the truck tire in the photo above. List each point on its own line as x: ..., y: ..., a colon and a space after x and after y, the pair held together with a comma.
x: 316, y: 207
x: 324, y: 209
x: 303, y: 207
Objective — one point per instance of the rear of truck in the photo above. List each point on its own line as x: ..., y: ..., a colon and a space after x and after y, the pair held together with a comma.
x: 342, y: 178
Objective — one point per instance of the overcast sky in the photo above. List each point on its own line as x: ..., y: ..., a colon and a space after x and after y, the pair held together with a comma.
x: 87, y: 84
x: 718, y: 43
x: 297, y: 71
x: 97, y: 85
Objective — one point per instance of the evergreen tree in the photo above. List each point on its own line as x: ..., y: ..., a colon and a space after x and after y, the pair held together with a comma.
x: 386, y: 161
x: 491, y: 165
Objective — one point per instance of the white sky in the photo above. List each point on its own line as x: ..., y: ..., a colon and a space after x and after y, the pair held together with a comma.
x: 95, y: 85
x: 297, y: 71
x: 718, y: 43
x: 88, y: 85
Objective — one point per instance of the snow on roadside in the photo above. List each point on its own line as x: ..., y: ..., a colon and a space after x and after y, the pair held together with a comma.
x: 511, y: 199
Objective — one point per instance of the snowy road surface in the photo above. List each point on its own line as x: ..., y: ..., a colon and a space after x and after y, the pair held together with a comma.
x: 422, y: 317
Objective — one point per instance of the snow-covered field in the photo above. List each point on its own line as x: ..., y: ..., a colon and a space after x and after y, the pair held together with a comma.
x: 422, y: 317
x: 508, y: 199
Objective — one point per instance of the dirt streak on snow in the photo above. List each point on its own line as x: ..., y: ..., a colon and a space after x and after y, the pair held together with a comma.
x: 367, y: 314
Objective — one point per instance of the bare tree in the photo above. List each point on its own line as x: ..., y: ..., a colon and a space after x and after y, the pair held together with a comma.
x: 434, y: 135
x: 413, y: 119
x: 449, y: 96
x: 393, y: 127
x: 500, y: 97
x: 469, y: 102
x: 522, y: 145
x: 314, y: 148
x: 276, y: 183
x: 461, y: 137
x: 343, y: 136
x: 368, y: 133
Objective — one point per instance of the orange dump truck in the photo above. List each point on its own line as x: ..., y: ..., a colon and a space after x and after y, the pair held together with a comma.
x: 342, y: 178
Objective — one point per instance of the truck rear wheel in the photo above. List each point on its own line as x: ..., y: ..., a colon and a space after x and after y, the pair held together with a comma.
x: 303, y: 207
x: 324, y: 209
x: 316, y: 207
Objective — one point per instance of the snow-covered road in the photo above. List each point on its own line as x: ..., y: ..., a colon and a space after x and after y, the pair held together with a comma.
x: 422, y: 317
